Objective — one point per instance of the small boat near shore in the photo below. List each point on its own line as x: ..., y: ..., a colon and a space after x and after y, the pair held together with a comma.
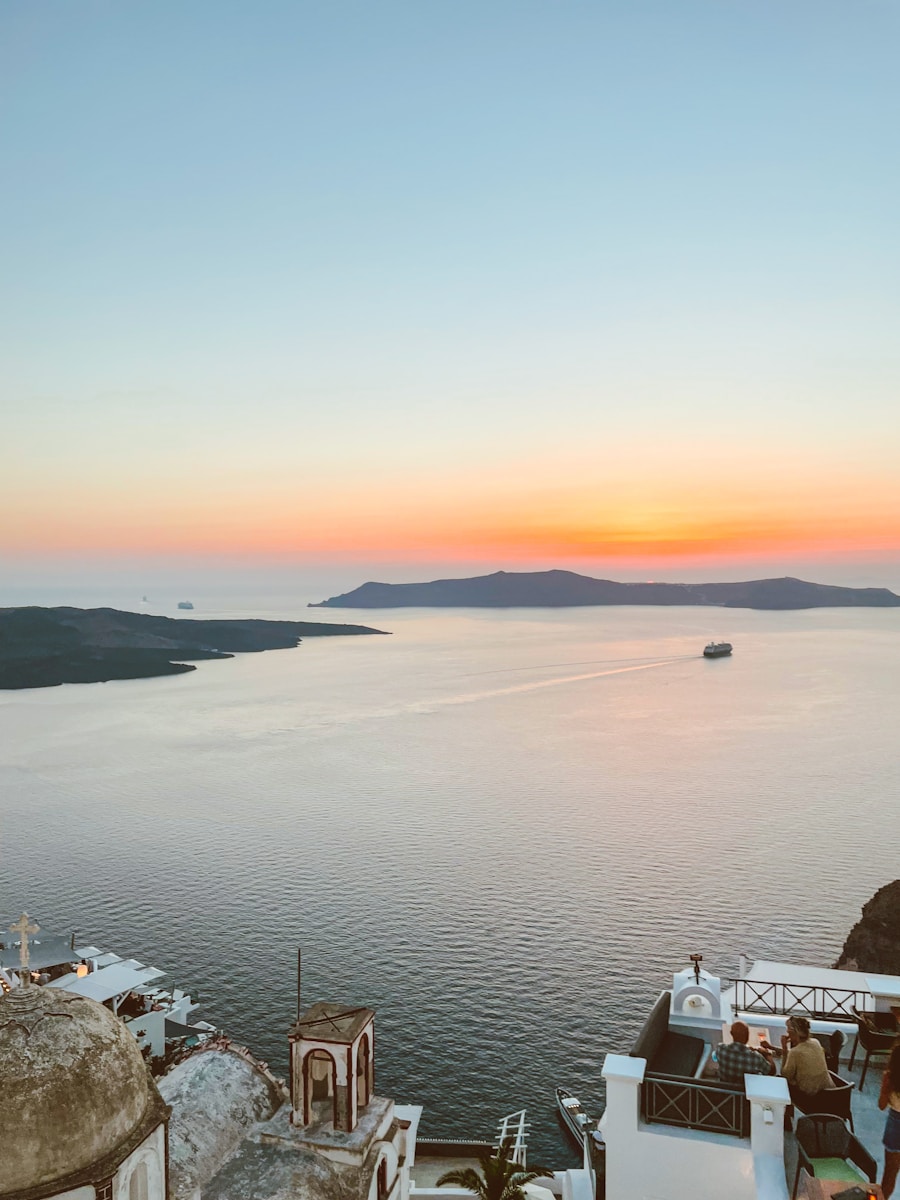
x: 576, y: 1120
x: 717, y: 650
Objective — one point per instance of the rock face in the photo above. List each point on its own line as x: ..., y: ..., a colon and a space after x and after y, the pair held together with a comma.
x: 874, y: 941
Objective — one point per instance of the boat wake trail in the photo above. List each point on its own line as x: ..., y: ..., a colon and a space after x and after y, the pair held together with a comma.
x: 535, y: 685
x: 590, y: 662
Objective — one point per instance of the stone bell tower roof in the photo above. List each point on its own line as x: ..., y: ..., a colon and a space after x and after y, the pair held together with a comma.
x: 76, y: 1092
x: 327, y: 1022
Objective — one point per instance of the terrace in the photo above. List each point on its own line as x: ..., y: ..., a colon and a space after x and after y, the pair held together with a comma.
x: 669, y: 1120
x: 157, y: 1016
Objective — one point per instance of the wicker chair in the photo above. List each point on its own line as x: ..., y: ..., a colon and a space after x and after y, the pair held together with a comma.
x: 834, y: 1101
x: 827, y: 1148
x: 832, y: 1043
x: 876, y: 1042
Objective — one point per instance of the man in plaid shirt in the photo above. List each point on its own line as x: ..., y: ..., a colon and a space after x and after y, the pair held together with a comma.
x: 737, y: 1059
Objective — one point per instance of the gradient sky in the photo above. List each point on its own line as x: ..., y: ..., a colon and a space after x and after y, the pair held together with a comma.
x: 609, y: 284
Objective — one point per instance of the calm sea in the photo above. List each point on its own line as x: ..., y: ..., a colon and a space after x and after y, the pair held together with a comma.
x: 502, y: 830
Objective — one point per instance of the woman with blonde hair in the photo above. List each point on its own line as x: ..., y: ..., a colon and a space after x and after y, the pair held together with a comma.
x: 890, y: 1099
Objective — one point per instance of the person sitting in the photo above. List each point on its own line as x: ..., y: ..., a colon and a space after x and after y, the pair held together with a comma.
x: 737, y: 1059
x: 804, y: 1066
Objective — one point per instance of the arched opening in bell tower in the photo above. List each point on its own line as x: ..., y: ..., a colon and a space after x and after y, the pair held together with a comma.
x: 382, y: 1180
x: 138, y: 1183
x: 320, y: 1087
x: 363, y: 1071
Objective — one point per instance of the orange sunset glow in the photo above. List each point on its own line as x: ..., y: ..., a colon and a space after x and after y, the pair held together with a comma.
x: 425, y: 522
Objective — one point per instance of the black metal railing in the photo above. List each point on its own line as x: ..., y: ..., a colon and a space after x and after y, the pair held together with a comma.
x: 694, y: 1105
x: 822, y: 1003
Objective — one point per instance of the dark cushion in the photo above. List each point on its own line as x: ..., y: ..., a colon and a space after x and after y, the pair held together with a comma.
x: 655, y: 1029
x: 678, y: 1054
x: 666, y: 1053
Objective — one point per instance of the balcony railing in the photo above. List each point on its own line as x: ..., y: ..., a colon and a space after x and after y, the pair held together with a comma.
x: 694, y: 1105
x: 822, y: 1003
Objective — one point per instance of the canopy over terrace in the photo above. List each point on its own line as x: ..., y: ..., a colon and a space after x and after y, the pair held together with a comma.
x: 108, y: 983
x: 49, y: 950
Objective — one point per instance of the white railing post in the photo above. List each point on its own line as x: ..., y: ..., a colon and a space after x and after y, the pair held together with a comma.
x: 769, y: 1097
x: 624, y: 1077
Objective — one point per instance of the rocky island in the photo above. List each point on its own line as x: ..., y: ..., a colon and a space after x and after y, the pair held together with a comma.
x: 565, y: 589
x: 42, y: 647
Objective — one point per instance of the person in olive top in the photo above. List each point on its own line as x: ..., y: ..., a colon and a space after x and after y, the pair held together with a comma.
x: 803, y: 1065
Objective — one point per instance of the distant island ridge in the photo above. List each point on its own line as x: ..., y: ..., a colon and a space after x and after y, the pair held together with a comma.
x: 43, y: 647
x: 566, y: 589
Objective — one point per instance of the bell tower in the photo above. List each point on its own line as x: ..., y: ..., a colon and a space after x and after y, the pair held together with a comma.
x: 697, y: 1006
x: 332, y: 1065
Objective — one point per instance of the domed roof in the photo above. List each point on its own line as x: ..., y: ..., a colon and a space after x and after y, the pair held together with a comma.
x: 73, y: 1085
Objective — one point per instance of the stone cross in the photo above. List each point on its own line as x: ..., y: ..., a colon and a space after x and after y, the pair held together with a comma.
x: 23, y: 928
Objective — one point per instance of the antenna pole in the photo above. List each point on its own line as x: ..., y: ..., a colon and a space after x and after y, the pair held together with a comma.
x: 298, y: 983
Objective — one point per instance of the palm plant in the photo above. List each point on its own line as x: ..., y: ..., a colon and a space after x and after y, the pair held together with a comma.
x: 500, y: 1177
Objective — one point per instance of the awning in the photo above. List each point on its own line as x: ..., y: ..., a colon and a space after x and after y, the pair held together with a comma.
x: 797, y: 973
x: 174, y: 1029
x: 50, y: 951
x: 111, y: 981
x: 107, y: 960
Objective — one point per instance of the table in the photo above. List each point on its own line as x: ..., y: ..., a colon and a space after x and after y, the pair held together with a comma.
x: 823, y: 1189
x: 757, y: 1035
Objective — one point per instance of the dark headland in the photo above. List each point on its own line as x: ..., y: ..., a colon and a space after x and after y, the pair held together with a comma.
x: 565, y: 589
x: 42, y: 647
x: 873, y: 943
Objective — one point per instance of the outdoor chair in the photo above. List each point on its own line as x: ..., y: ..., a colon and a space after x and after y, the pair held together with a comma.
x: 875, y: 1042
x: 832, y: 1043
x: 834, y: 1101
x: 879, y: 1022
x: 826, y: 1148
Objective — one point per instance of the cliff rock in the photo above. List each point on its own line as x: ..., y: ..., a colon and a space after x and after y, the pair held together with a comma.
x: 874, y: 941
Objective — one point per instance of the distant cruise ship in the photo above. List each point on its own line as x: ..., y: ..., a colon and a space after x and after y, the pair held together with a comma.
x: 187, y: 604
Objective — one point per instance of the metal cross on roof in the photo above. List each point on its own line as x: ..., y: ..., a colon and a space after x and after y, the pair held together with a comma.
x: 23, y: 928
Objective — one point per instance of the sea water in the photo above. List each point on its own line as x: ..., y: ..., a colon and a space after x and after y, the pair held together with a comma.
x: 502, y: 830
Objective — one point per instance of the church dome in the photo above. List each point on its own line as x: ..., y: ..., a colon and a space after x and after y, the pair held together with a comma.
x: 73, y: 1086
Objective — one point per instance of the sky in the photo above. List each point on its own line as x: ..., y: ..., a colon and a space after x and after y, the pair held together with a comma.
x: 424, y: 287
